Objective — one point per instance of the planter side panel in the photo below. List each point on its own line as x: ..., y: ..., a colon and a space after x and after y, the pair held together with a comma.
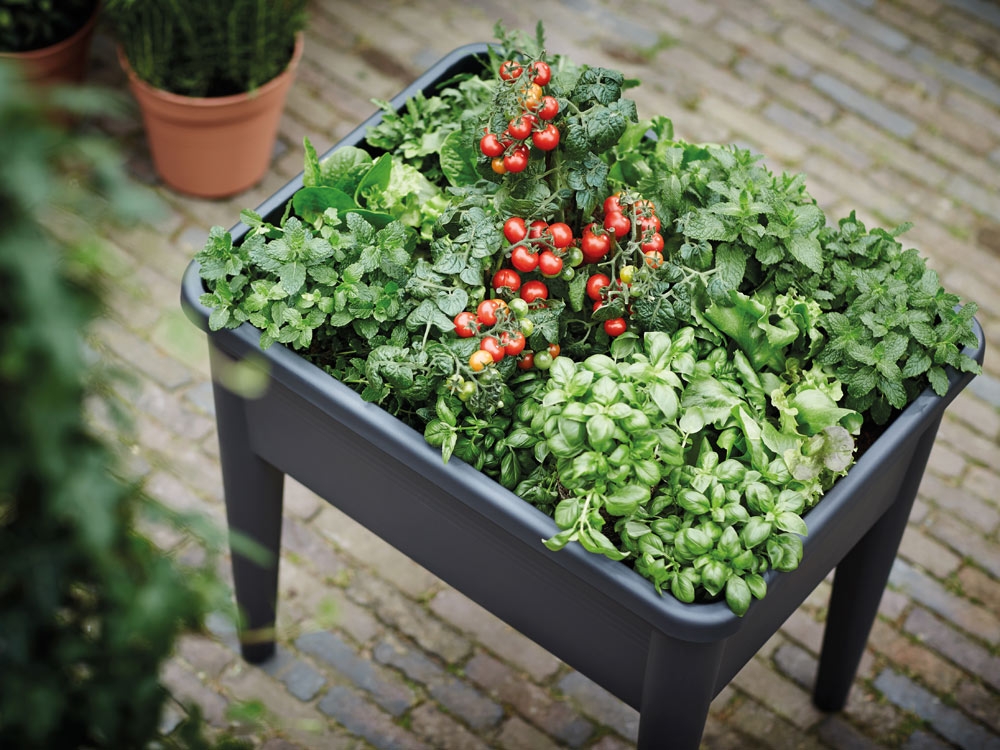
x: 556, y: 609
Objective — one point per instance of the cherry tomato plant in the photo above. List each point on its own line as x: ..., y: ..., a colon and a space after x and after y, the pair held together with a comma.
x: 674, y: 368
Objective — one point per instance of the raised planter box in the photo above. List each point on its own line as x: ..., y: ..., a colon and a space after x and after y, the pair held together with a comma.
x: 668, y: 659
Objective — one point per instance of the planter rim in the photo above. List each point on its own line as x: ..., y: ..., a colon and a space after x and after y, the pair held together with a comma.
x: 702, y: 621
x: 211, y: 102
x: 55, y: 49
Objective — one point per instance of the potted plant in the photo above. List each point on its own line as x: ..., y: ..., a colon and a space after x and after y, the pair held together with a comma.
x: 50, y: 39
x: 663, y: 348
x: 211, y: 81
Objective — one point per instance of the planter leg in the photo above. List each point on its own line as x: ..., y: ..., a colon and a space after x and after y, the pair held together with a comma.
x: 677, y: 690
x: 858, y: 584
x: 254, y: 494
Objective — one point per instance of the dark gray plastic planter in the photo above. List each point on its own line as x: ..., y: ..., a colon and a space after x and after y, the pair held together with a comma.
x: 665, y: 658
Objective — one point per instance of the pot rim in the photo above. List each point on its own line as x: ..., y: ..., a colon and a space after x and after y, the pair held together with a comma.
x: 212, y: 101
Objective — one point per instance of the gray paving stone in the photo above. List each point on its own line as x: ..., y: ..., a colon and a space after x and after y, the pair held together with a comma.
x: 863, y: 23
x: 478, y: 711
x: 598, y: 703
x: 954, y: 645
x: 865, y: 106
x: 365, y: 720
x: 385, y: 689
x: 949, y: 722
x: 303, y: 681
x: 973, y: 81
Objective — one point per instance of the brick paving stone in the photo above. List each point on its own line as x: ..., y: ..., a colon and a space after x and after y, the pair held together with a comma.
x: 804, y: 629
x: 499, y: 637
x: 206, y: 655
x: 303, y: 681
x: 314, y: 550
x: 865, y: 106
x: 873, y: 715
x: 954, y: 645
x: 313, y: 604
x: 966, y: 541
x: 975, y: 82
x: 824, y: 139
x: 980, y: 587
x: 601, y: 705
x: 439, y: 729
x: 982, y: 418
x: 769, y: 729
x: 799, y: 96
x: 385, y: 689
x: 921, y: 740
x: 797, y: 664
x: 533, y: 702
x: 399, y: 612
x: 851, y: 73
x: 930, y: 555
x: 142, y: 355
x: 920, y: 587
x: 836, y: 732
x: 186, y: 689
x: 515, y: 733
x: 478, y: 711
x: 610, y: 742
x: 979, y: 702
x: 765, y: 136
x: 852, y: 18
x: 945, y: 462
x: 300, y: 501
x: 781, y: 696
x: 958, y: 503
x: 364, y: 719
x: 948, y: 721
x: 763, y: 48
x: 933, y: 671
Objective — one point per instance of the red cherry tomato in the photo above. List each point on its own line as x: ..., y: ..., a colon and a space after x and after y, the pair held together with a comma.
x: 653, y: 243
x: 523, y: 259
x: 487, y: 311
x: 594, y: 245
x: 547, y: 138
x: 554, y: 350
x: 490, y: 145
x: 615, y: 326
x: 520, y: 127
x: 465, y: 324
x: 507, y: 277
x: 540, y: 73
x: 536, y: 228
x: 612, y: 203
x: 648, y: 223
x: 595, y: 285
x: 494, y: 347
x: 560, y: 233
x: 526, y: 361
x: 532, y: 97
x: 618, y: 223
x: 514, y: 229
x: 548, y: 108
x: 516, y: 160
x: 498, y: 166
x: 510, y: 69
x: 532, y: 290
x: 549, y: 263
x: 513, y: 343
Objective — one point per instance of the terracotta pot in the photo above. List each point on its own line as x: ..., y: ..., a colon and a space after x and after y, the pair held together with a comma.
x: 212, y: 147
x: 63, y: 62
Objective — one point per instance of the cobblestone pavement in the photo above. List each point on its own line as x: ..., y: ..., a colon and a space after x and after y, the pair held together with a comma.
x: 889, y: 106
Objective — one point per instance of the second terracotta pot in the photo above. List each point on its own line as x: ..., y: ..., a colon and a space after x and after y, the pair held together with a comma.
x: 212, y: 147
x: 63, y: 62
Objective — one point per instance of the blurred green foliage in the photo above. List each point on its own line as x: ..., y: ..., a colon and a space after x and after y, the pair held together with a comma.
x: 89, y: 607
x: 197, y: 48
x: 33, y: 24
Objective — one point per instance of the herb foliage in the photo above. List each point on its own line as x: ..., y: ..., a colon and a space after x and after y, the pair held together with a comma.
x: 676, y: 392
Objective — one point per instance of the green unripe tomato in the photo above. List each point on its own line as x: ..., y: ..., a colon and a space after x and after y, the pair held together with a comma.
x: 574, y: 257
x: 568, y: 273
x: 519, y: 307
x: 543, y: 360
x: 528, y: 328
x: 466, y: 390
